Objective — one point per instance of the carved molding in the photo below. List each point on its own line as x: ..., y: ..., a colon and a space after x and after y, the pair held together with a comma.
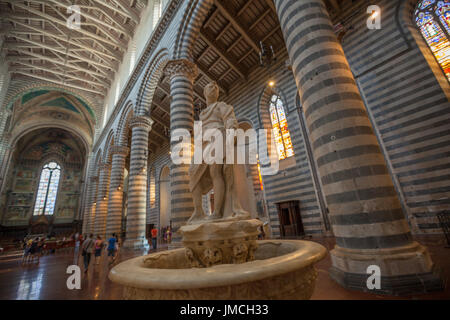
x: 182, y: 67
x: 141, y: 122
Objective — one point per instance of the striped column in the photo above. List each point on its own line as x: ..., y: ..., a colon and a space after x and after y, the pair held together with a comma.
x: 87, y: 196
x: 114, y: 219
x: 365, y: 212
x: 182, y: 75
x: 101, y: 209
x: 91, y: 204
x: 137, y: 185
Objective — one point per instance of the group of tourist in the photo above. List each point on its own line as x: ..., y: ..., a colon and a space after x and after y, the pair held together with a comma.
x: 32, y: 249
x: 91, y: 245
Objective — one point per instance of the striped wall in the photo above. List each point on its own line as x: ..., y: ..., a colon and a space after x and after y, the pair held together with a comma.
x: 157, y: 161
x: 407, y: 100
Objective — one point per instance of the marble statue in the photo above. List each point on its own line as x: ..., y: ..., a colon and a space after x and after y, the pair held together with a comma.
x: 222, y: 178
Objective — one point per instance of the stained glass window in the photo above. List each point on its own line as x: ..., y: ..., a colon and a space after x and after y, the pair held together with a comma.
x: 433, y: 19
x: 48, y: 189
x: 280, y: 129
x: 258, y: 165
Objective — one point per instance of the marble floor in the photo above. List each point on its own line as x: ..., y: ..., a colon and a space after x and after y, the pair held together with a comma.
x: 47, y: 280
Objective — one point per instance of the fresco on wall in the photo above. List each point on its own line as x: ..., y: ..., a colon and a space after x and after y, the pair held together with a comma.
x: 24, y: 185
x: 25, y: 175
x: 68, y: 205
x: 17, y: 213
x: 20, y: 199
x: 71, y: 181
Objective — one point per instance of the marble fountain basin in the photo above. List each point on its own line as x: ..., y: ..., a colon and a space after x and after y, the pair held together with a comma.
x: 282, y: 269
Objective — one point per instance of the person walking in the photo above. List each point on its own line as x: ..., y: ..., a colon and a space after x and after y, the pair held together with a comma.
x: 98, y: 249
x: 112, y: 248
x: 88, y: 245
x: 154, y: 238
x: 34, y: 249
x: 26, y: 250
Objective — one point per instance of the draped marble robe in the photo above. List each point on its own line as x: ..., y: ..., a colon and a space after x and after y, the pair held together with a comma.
x: 220, y: 116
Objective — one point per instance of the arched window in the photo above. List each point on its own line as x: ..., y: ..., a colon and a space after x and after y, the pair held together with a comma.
x: 157, y: 12
x: 280, y: 129
x: 433, y: 19
x: 48, y: 189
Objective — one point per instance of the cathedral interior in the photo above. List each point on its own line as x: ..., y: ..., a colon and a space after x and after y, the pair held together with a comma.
x: 350, y: 96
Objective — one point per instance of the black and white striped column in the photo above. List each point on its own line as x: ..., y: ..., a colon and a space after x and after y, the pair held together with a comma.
x: 137, y: 185
x: 87, y: 196
x: 182, y: 75
x: 91, y: 204
x: 365, y: 212
x: 101, y: 209
x: 115, y: 202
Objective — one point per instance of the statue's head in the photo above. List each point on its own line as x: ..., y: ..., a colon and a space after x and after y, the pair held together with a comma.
x: 211, y: 92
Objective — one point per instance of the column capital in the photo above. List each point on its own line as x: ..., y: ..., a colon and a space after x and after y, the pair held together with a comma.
x: 182, y: 67
x: 121, y: 150
x: 141, y: 122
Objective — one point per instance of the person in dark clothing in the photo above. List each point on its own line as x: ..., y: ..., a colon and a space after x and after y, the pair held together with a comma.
x: 87, y: 249
x: 34, y: 252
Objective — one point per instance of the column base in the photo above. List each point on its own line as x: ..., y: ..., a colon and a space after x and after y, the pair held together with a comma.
x: 404, y: 270
x: 136, y: 244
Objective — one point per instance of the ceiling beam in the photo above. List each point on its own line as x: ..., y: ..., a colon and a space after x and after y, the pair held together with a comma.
x: 117, y: 43
x: 49, y: 79
x: 220, y: 49
x: 47, y: 68
x: 117, y: 27
x: 271, y: 5
x: 53, y: 60
x: 226, y: 10
x: 64, y: 51
x: 127, y: 10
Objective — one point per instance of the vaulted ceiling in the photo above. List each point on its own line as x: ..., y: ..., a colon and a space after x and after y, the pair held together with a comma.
x: 40, y: 44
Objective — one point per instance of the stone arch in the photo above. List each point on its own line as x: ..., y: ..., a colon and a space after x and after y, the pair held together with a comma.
x: 15, y: 136
x: 18, y: 92
x: 195, y: 14
x: 150, y: 82
x: 122, y: 128
x: 107, y: 155
x: 263, y: 105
